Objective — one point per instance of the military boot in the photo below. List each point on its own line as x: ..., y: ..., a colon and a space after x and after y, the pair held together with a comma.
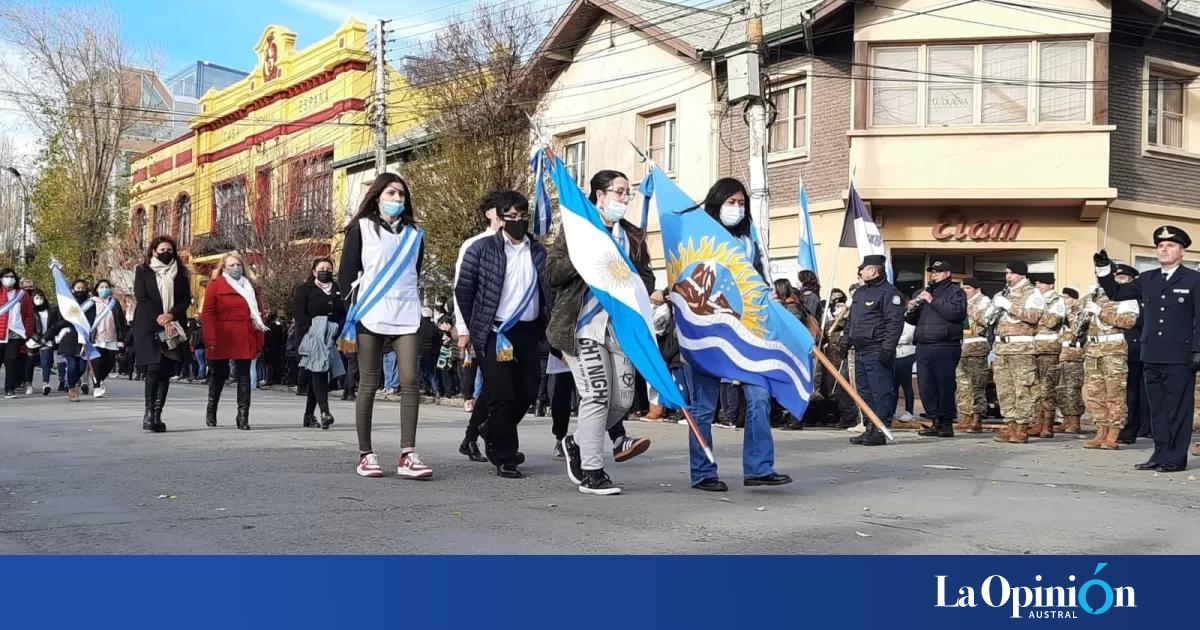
x: 1005, y: 434
x: 1021, y: 436
x: 1101, y: 436
x: 1110, y: 439
x: 965, y: 424
x: 1070, y: 425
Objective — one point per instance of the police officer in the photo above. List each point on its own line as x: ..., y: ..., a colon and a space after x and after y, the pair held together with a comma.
x: 938, y: 312
x: 1019, y: 309
x: 1106, y: 365
x: 1068, y: 389
x: 1047, y: 346
x: 972, y: 374
x: 873, y: 330
x: 1137, y: 408
x: 1170, y: 343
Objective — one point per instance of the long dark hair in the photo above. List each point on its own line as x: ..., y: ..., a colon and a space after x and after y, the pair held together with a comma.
x: 96, y: 287
x: 725, y: 188
x: 601, y: 180
x: 370, y: 203
x: 783, y: 289
x: 7, y: 270
x: 808, y: 281
x: 159, y: 240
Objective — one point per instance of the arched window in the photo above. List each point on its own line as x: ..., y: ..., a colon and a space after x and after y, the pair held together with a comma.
x: 139, y: 227
x: 183, y: 220
x: 162, y: 223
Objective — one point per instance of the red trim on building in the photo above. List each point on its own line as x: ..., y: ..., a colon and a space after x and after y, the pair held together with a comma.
x: 183, y: 158
x: 164, y: 145
x: 141, y: 193
x: 311, y: 82
x: 140, y: 175
x: 162, y: 166
x: 338, y: 108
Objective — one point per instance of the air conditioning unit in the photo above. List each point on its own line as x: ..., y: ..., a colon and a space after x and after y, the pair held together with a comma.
x: 743, y: 76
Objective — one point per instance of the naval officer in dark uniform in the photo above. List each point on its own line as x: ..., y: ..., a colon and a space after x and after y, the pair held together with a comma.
x: 873, y: 330
x: 1170, y: 343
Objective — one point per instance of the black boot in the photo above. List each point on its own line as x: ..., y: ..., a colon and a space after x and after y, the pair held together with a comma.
x: 309, y: 420
x: 326, y: 419
x: 934, y: 430
x: 148, y: 419
x: 215, y: 386
x: 160, y: 401
x: 946, y: 428
x: 874, y: 437
x: 470, y: 448
x: 150, y: 397
x: 243, y: 401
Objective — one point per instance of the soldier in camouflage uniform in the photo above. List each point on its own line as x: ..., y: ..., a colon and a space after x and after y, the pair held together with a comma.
x: 1046, y: 346
x: 1105, y: 366
x: 1068, y: 392
x: 835, y: 327
x: 972, y: 372
x: 1019, y: 308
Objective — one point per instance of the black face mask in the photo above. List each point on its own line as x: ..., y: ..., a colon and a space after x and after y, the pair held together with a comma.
x: 165, y: 257
x: 80, y: 296
x: 325, y: 277
x: 516, y: 228
x: 40, y: 307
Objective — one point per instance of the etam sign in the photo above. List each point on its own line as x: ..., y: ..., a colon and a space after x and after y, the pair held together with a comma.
x: 956, y: 227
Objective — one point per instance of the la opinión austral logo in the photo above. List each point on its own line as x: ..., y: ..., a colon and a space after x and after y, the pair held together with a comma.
x: 1039, y: 600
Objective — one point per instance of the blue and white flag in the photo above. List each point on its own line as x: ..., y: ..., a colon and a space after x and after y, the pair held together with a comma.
x: 615, y: 282
x: 541, y: 197
x: 806, y: 252
x: 727, y: 323
x: 647, y: 191
x: 72, y: 311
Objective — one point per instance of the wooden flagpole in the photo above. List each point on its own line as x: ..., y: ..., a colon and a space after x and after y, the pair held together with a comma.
x: 862, y: 404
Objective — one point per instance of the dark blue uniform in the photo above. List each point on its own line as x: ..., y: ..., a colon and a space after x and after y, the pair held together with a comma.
x: 876, y: 320
x: 1170, y: 335
x: 1137, y: 415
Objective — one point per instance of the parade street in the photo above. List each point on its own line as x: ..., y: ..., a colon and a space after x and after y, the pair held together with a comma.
x: 85, y: 478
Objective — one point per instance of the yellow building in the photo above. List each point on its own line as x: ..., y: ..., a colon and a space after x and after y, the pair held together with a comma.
x: 262, y: 150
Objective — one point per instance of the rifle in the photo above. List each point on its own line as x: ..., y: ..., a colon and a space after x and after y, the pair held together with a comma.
x: 1079, y: 333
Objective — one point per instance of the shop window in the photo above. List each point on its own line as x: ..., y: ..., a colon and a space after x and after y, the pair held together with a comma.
x: 229, y: 205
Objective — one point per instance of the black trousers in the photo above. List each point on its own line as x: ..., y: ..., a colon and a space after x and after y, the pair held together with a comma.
x: 561, y: 397
x: 544, y: 391
x: 103, y: 365
x: 936, y: 366
x: 350, y: 380
x: 318, y: 393
x: 1171, y: 389
x: 1137, y: 414
x: 14, y: 366
x: 509, y: 388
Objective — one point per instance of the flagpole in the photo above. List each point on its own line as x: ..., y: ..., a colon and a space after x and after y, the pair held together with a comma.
x: 862, y: 404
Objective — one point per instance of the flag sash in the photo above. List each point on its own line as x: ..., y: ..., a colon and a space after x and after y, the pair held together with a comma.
x: 399, y: 260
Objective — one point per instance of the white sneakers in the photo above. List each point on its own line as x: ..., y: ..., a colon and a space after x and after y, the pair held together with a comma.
x: 409, y: 467
x: 906, y: 417
x: 29, y: 390
x: 99, y: 391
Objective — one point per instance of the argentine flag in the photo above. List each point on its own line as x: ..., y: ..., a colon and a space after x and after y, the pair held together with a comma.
x: 728, y: 325
x: 806, y: 253
x: 613, y: 279
x: 71, y: 311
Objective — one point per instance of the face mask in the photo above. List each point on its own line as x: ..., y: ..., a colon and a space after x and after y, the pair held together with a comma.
x: 104, y: 292
x: 392, y: 208
x: 234, y: 272
x: 9, y: 282
x: 613, y: 211
x: 731, y: 215
x: 516, y: 228
x: 324, y: 277
x: 661, y: 310
x: 80, y: 295
x: 165, y: 257
x: 39, y: 302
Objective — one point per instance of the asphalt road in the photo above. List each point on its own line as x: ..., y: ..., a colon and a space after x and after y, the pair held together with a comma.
x: 84, y: 478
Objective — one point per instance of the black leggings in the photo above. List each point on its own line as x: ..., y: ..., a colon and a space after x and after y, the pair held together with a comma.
x: 562, y: 396
x: 103, y: 365
x: 318, y: 393
x: 14, y: 365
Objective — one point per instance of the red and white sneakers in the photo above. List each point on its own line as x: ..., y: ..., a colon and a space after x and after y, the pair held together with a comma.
x: 368, y: 465
x: 411, y: 467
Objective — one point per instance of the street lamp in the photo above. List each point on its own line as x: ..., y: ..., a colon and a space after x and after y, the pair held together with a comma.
x: 24, y: 214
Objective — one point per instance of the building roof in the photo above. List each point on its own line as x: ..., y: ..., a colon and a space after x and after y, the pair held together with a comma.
x: 719, y: 27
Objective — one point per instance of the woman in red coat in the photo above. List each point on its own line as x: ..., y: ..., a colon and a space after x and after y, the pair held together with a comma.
x: 232, y: 320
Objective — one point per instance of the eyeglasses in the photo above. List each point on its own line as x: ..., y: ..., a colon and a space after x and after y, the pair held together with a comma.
x: 508, y: 216
x: 620, y: 192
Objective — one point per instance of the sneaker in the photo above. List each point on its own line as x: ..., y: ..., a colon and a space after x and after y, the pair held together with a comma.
x: 99, y: 391
x: 368, y: 465
x: 410, y: 467
x: 558, y: 450
x: 9, y: 395
x: 29, y: 390
x: 907, y: 417
x: 629, y: 447
x: 724, y: 424
x: 597, y: 482
x: 469, y: 405
x: 858, y: 428
x: 574, y: 460
x: 45, y: 390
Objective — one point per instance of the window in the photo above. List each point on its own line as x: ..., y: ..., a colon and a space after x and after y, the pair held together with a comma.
x: 660, y: 131
x: 162, y: 219
x: 789, y: 131
x: 139, y: 228
x: 1150, y: 263
x: 229, y: 205
x: 893, y: 91
x: 183, y: 220
x: 1062, y: 71
x: 575, y: 157
x: 310, y: 184
x: 981, y: 84
x: 1166, y: 116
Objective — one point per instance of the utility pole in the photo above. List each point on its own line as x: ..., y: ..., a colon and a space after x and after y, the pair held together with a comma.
x: 24, y: 212
x: 756, y: 117
x: 380, y: 99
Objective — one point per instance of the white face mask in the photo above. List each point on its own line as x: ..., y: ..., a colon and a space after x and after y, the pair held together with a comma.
x: 9, y: 282
x: 661, y: 310
x: 731, y: 215
x: 613, y: 211
x: 38, y: 301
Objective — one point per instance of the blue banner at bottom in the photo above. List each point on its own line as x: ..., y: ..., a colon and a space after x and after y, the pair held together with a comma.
x: 572, y: 593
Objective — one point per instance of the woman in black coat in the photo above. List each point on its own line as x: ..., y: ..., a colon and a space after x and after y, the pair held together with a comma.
x: 315, y: 298
x: 45, y: 320
x: 163, y: 293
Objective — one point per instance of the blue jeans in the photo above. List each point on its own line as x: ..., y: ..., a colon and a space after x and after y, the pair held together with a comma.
x: 391, y: 380
x: 76, y: 367
x: 876, y: 384
x: 201, y: 364
x: 758, y: 448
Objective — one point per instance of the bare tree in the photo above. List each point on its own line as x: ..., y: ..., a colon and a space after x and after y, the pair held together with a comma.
x: 471, y: 88
x: 71, y: 75
x: 12, y: 204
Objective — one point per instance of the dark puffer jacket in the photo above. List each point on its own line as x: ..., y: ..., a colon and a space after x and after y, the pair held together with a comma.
x: 481, y: 281
x: 571, y: 288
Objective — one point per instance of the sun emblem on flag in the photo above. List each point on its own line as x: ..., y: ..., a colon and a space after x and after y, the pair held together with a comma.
x: 716, y: 279
x: 614, y: 267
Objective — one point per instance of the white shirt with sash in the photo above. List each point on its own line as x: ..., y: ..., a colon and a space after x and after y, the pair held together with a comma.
x: 517, y: 278
x: 399, y: 311
x: 12, y: 308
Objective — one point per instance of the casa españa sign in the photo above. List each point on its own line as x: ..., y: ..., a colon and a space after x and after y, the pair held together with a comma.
x: 955, y: 226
